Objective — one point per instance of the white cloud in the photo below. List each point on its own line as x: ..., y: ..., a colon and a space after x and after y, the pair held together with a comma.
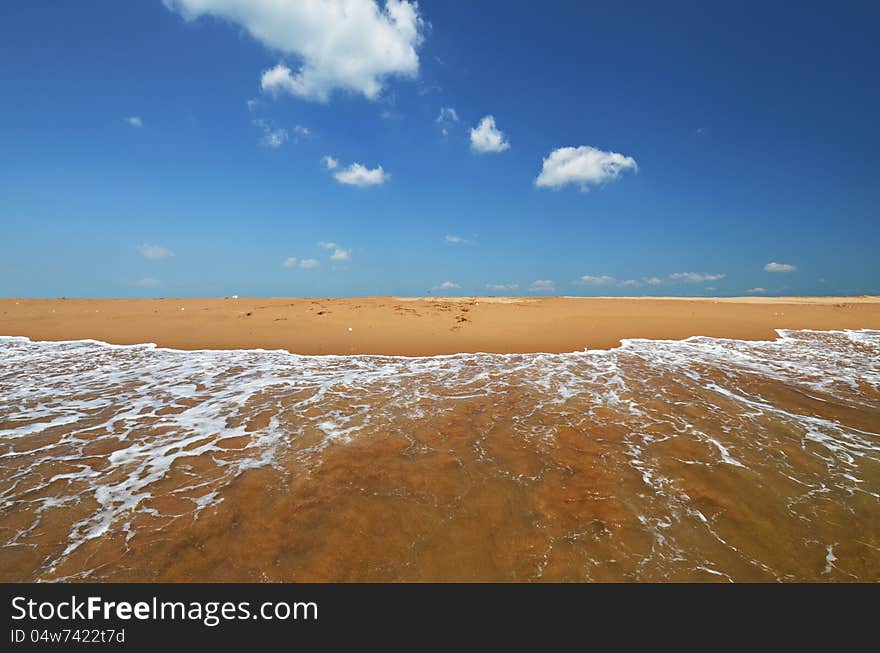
x: 583, y: 166
x: 272, y: 137
x: 756, y: 290
x: 358, y: 175
x: 458, y: 240
x: 447, y: 117
x: 773, y: 266
x: 542, y: 285
x: 147, y: 282
x: 349, y: 45
x: 155, y: 251
x: 326, y: 245
x: 694, y: 277
x: 305, y: 263
x: 486, y: 137
x: 447, y: 285
x: 302, y: 131
x: 447, y: 114
x: 652, y: 281
x: 329, y: 162
x: 341, y: 255
x: 502, y: 287
x: 134, y: 121
x: 603, y: 280
x: 251, y: 104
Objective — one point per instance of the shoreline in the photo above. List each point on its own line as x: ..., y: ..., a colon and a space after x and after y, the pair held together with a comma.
x: 424, y: 326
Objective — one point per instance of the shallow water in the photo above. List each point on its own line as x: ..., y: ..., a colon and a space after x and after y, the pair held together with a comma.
x: 702, y: 459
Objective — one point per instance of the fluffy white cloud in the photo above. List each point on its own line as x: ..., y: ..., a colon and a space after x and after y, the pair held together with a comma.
x: 603, y: 280
x: 584, y: 166
x: 773, y: 266
x: 458, y: 240
x: 305, y: 263
x: 272, y: 137
x: 447, y: 285
x: 329, y: 162
x: 341, y: 255
x: 155, y: 251
x: 755, y: 291
x: 502, y: 287
x: 542, y: 285
x: 350, y: 45
x: 694, y: 277
x: 653, y: 281
x: 361, y: 176
x: 134, y: 121
x: 486, y: 137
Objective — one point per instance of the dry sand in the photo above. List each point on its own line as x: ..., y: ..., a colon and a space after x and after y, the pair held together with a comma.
x: 425, y: 325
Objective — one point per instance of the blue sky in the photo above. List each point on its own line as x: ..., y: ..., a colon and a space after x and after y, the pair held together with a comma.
x: 178, y: 148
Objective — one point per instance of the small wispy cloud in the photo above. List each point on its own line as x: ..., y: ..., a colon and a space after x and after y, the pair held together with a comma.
x: 755, y: 291
x: 773, y: 266
x: 147, y: 282
x: 486, y: 137
x: 305, y: 263
x: 447, y: 114
x: 329, y: 162
x: 695, y: 277
x: 447, y: 285
x: 447, y: 118
x: 502, y: 287
x: 327, y: 245
x: 341, y: 255
x: 134, y: 121
x: 302, y: 131
x: 272, y: 137
x: 542, y: 285
x: 458, y: 240
x: 155, y: 251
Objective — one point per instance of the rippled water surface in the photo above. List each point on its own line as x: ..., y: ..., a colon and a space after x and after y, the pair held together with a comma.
x: 703, y: 459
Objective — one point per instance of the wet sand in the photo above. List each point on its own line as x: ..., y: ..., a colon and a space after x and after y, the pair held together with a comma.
x: 424, y: 326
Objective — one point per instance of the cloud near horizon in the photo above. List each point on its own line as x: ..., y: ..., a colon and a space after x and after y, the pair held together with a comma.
x: 502, y: 287
x: 584, y: 166
x: 339, y: 45
x: 694, y: 277
x: 486, y: 137
x: 340, y: 255
x: 447, y: 285
x: 305, y: 263
x: 458, y: 240
x: 155, y: 252
x: 542, y: 285
x: 773, y: 266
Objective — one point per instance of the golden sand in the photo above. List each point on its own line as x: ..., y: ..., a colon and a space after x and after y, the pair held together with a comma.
x: 424, y: 325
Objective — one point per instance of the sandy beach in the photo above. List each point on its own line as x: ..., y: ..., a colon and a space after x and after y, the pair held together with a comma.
x: 425, y: 325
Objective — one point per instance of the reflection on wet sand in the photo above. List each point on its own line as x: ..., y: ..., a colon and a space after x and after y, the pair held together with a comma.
x: 703, y: 459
